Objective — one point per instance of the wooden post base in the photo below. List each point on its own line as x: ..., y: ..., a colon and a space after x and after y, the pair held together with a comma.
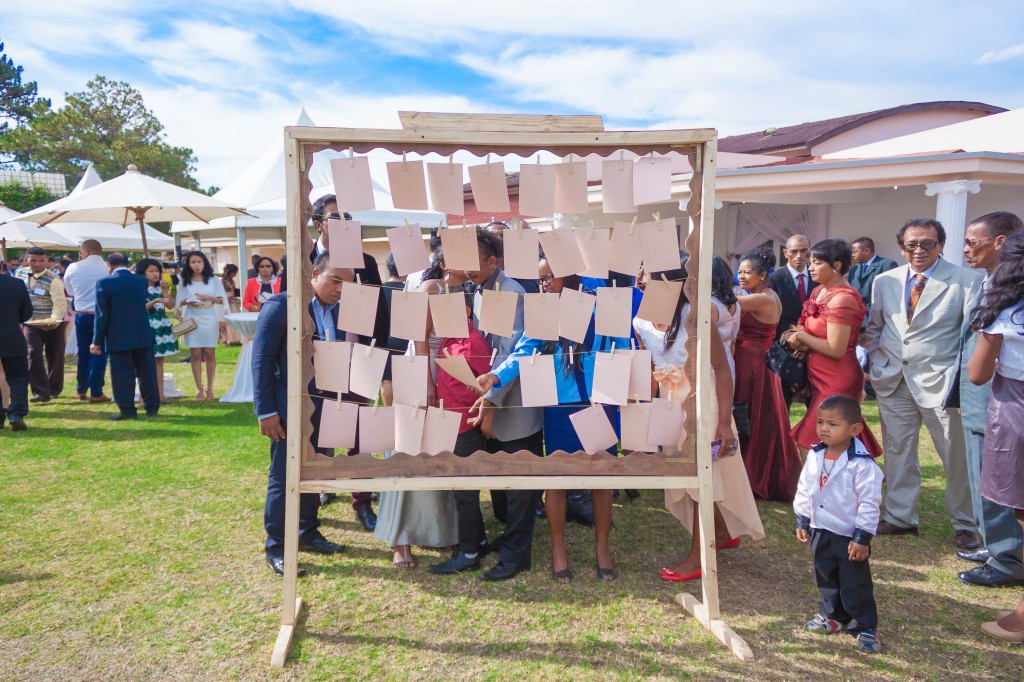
x: 718, y: 627
x: 284, y: 639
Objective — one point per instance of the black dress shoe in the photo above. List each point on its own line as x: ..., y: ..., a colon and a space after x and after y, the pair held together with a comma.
x: 966, y: 539
x: 39, y: 399
x: 18, y: 424
x: 502, y: 571
x: 121, y: 416
x: 886, y: 528
x: 154, y: 413
x: 986, y: 576
x: 978, y: 555
x: 366, y: 515
x: 326, y: 499
x: 321, y: 545
x: 457, y: 564
x: 277, y: 566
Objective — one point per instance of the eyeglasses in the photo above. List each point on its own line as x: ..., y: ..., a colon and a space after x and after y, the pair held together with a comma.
x: 547, y: 279
x: 928, y: 245
x: 266, y: 265
x: 326, y: 216
x: 974, y: 243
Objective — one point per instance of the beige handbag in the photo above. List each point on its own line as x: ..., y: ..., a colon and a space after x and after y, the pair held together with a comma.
x: 184, y: 327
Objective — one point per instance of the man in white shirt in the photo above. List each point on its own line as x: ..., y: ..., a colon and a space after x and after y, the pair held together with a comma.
x: 80, y: 281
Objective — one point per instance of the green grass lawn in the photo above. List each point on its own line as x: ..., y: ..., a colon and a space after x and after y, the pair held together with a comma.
x: 133, y: 551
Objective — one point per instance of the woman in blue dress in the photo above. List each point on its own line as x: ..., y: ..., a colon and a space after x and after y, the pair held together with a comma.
x: 574, y: 375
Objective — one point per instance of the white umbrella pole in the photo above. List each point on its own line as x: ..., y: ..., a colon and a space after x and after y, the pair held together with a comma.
x: 3, y: 248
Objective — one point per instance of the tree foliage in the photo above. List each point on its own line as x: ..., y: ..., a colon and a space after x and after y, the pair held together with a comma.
x: 20, y: 102
x: 107, y: 125
x: 20, y: 198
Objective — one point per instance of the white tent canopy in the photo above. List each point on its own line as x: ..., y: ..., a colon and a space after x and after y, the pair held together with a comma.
x: 1003, y: 132
x: 21, y: 235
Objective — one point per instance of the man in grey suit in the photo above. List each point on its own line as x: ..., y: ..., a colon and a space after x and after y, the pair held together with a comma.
x: 1000, y: 558
x: 868, y: 266
x: 918, y: 315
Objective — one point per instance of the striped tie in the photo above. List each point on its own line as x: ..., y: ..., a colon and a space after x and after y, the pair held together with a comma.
x: 915, y: 296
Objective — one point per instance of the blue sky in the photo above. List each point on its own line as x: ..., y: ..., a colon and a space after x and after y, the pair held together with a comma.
x: 225, y: 76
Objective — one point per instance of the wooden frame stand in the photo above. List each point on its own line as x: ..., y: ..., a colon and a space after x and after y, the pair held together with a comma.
x: 524, y: 136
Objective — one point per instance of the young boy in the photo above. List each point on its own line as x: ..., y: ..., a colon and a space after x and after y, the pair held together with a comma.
x: 836, y: 508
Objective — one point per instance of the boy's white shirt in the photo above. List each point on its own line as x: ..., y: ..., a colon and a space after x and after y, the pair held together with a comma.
x: 850, y: 498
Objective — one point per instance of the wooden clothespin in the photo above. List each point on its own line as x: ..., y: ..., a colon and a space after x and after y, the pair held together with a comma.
x: 622, y: 160
x: 369, y: 349
x: 579, y: 295
x: 593, y: 403
x: 652, y: 158
x: 537, y: 172
x: 572, y: 355
x: 359, y: 284
x: 376, y: 404
x: 405, y: 162
x: 615, y: 290
x: 451, y: 164
x: 440, y: 406
x: 613, y: 348
x: 632, y: 225
x: 337, y: 405
x: 657, y: 220
x: 590, y: 228
x: 533, y: 357
x: 487, y: 170
x: 416, y: 410
x: 408, y: 227
x: 447, y: 354
x: 447, y: 292
x: 494, y: 354
x: 570, y: 164
x: 351, y: 158
x: 632, y: 345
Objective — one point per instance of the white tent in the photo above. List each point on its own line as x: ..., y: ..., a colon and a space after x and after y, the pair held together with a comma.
x: 21, y: 234
x: 1002, y: 132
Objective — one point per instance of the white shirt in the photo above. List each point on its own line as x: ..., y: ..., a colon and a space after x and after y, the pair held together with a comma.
x: 80, y: 281
x: 1011, y: 353
x: 796, y: 282
x: 850, y: 499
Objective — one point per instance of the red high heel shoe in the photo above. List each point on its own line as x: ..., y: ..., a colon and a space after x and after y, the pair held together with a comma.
x: 673, y: 577
x: 732, y: 544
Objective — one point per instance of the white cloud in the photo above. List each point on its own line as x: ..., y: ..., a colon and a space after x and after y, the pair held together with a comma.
x: 996, y: 56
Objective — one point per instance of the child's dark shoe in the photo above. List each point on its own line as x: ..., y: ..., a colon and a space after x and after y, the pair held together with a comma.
x: 823, y: 626
x: 867, y: 642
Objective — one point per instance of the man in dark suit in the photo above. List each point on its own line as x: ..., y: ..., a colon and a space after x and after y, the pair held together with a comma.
x: 123, y: 332
x: 325, y: 208
x: 868, y: 265
x: 793, y: 284
x: 15, y: 309
x: 270, y: 389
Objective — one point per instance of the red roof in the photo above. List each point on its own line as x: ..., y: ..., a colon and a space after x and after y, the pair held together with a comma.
x: 816, y: 132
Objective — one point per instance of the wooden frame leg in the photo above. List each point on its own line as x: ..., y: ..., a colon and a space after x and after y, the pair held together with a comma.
x: 284, y: 640
x: 718, y: 627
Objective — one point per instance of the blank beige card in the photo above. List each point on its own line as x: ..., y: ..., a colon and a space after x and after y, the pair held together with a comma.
x: 448, y: 315
x: 346, y: 243
x: 540, y: 313
x: 536, y: 190
x: 460, y: 248
x: 352, y: 184
x: 409, y: 423
x: 537, y: 381
x: 624, y: 254
x: 338, y: 425
x: 440, y: 430
x: 611, y: 378
x: 614, y: 312
x: 409, y: 377
x: 562, y: 252
x: 594, y: 244
x: 617, y: 187
x: 357, y: 310
x: 659, y: 302
x: 408, y: 185
x: 409, y: 315
x: 571, y: 187
x: 490, y: 188
x: 408, y: 248
x: 446, y: 194
x: 521, y: 253
x: 376, y: 429
x: 367, y: 370
x: 595, y: 432
x: 575, y: 308
x: 330, y: 365
x: 659, y: 243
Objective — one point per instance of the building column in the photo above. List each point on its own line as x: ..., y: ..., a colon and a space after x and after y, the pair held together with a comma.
x: 951, y: 211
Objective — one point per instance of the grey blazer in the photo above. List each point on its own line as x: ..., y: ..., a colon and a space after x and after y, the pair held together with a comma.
x: 519, y: 422
x: 925, y: 351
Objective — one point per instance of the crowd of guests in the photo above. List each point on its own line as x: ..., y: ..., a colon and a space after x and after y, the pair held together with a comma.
x: 840, y: 307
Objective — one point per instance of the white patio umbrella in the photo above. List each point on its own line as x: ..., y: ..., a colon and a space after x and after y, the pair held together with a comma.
x: 20, y: 235
x: 132, y: 197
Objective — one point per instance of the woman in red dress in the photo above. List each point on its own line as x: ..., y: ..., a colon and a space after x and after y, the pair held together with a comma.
x: 770, y: 455
x: 828, y: 332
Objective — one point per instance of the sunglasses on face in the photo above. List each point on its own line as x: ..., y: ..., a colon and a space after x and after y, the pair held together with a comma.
x: 975, y: 243
x: 928, y: 245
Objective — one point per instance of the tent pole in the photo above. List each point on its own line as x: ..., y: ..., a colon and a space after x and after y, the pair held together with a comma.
x: 243, y: 259
x: 3, y: 248
x: 141, y: 215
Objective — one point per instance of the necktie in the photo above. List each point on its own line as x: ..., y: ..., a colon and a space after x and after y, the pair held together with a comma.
x: 801, y: 288
x: 915, y: 296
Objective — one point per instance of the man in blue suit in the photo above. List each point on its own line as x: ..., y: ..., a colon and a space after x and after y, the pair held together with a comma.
x: 270, y: 389
x: 868, y: 265
x: 15, y: 308
x: 123, y: 332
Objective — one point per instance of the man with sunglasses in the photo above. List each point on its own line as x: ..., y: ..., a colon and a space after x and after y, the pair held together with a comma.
x: 918, y: 315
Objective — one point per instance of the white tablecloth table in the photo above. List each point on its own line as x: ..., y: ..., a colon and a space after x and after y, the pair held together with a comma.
x: 241, y: 389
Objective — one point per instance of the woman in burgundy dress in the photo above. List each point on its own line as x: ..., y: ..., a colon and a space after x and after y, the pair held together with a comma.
x: 770, y: 455
x: 828, y: 332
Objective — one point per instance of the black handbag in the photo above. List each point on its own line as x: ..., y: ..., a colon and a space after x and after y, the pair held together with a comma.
x: 791, y: 367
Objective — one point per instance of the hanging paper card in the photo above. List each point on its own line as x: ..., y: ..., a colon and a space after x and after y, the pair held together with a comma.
x: 593, y: 243
x: 357, y: 311
x: 617, y: 187
x: 498, y: 312
x: 575, y: 308
x: 571, y: 187
x: 614, y: 312
x: 611, y: 378
x: 409, y: 423
x: 337, y: 425
x: 594, y: 430
x: 352, y: 184
x: 635, y: 423
x: 659, y: 243
x: 330, y: 365
x: 537, y: 381
x: 461, y: 251
x: 652, y: 180
x: 408, y: 249
x: 536, y: 190
x: 540, y: 313
x: 446, y: 195
x: 346, y: 243
x: 409, y: 377
x: 490, y: 188
x: 409, y: 315
x: 408, y: 185
x: 562, y: 252
x: 640, y: 375
x: 367, y: 370
x: 666, y: 422
x: 624, y: 254
x: 458, y: 367
x: 659, y: 302
x: 448, y: 314
x: 376, y: 429
x: 521, y: 248
x: 440, y: 431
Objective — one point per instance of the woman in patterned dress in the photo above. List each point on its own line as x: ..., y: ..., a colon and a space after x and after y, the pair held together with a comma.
x: 157, y: 300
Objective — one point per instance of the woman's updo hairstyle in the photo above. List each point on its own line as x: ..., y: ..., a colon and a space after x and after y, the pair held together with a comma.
x: 762, y: 261
x: 834, y: 251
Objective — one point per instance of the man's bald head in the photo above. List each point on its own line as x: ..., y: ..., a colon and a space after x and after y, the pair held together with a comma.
x: 91, y: 247
x: 797, y: 248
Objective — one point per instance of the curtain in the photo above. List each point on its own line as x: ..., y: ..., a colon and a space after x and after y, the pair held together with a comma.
x: 758, y: 223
